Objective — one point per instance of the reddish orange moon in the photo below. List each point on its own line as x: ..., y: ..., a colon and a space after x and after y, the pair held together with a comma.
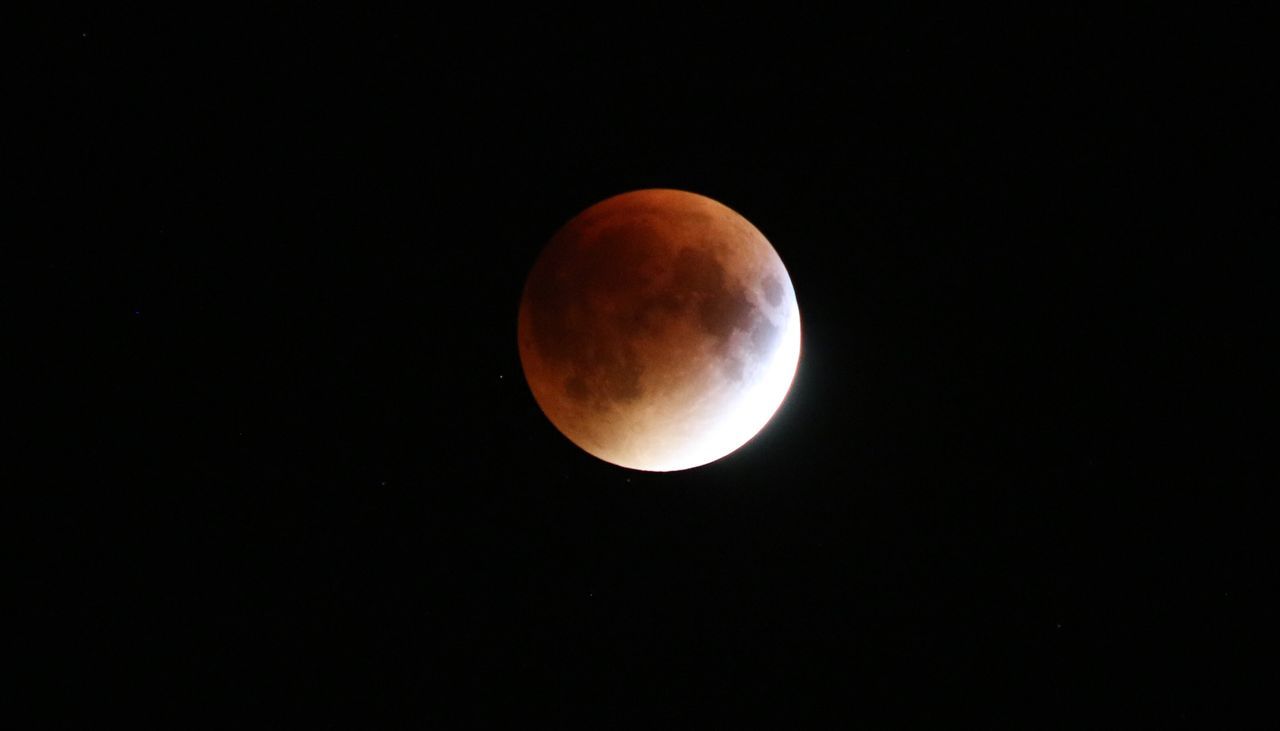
x: 659, y: 330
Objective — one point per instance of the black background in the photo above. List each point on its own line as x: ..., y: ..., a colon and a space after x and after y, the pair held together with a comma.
x: 300, y: 474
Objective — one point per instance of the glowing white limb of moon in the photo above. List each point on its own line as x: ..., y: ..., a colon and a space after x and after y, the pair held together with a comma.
x: 741, y: 419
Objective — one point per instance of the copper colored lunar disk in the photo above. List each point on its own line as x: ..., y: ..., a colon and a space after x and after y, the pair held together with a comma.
x: 659, y: 330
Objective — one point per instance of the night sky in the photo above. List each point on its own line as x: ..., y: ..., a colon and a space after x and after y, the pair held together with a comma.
x: 298, y: 473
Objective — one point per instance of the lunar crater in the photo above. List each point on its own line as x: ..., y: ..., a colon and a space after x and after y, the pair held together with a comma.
x: 772, y: 289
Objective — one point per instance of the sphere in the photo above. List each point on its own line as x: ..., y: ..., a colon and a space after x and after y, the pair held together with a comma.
x: 659, y: 330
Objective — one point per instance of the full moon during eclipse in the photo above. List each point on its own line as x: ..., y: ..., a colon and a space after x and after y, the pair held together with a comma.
x: 659, y: 330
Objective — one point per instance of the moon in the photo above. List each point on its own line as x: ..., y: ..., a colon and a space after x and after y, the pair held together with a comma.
x: 659, y: 330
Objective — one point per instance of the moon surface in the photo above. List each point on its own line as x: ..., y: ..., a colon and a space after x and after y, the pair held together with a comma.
x: 659, y: 330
